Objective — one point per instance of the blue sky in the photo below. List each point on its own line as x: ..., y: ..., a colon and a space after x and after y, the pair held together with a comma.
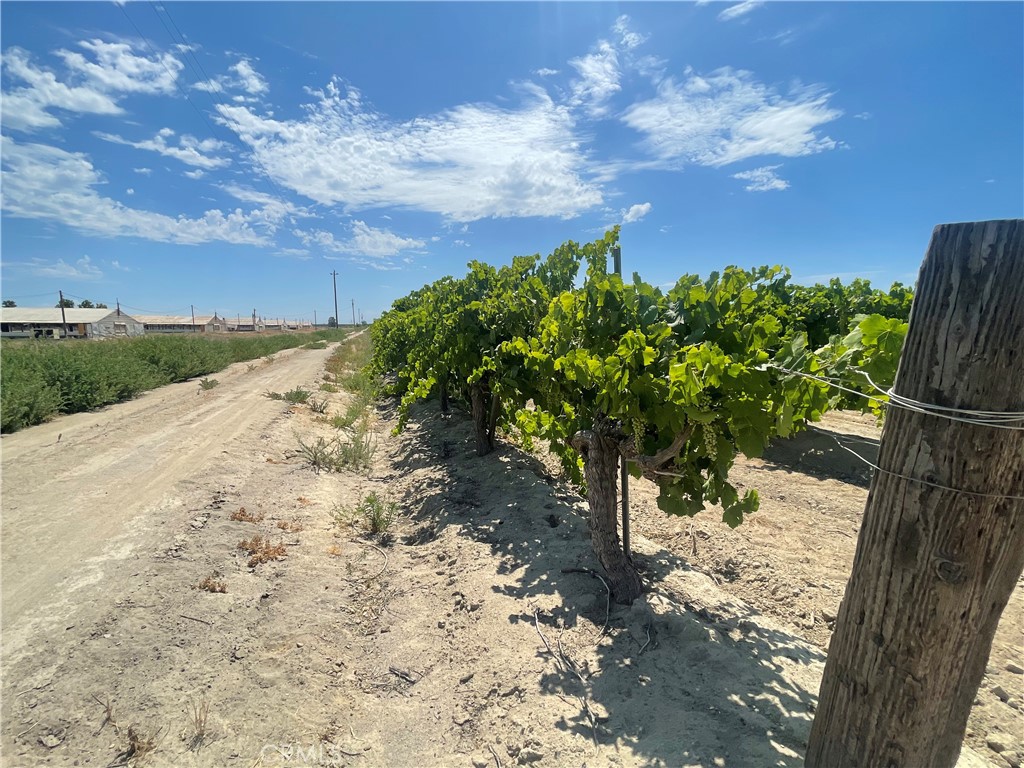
x: 231, y: 155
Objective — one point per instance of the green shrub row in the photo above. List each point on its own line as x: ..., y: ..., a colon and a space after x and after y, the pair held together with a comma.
x: 40, y: 379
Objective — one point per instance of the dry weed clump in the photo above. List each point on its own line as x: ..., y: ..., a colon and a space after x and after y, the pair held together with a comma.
x: 139, y: 746
x: 334, y: 550
x: 289, y: 526
x: 261, y: 550
x: 198, y: 720
x: 212, y: 584
x: 245, y: 517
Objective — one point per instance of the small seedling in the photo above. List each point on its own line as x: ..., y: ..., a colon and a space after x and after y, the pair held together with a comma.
x: 242, y: 516
x: 321, y: 455
x: 318, y: 406
x: 297, y: 395
x: 377, y: 514
x: 268, y: 359
x: 328, y: 387
x: 207, y: 383
x: 251, y: 367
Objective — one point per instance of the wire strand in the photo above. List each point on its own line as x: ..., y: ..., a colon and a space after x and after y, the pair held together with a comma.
x: 1010, y: 420
x: 940, y: 486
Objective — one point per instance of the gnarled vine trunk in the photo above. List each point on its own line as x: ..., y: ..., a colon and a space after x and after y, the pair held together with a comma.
x: 478, y: 402
x: 444, y: 396
x: 601, y: 463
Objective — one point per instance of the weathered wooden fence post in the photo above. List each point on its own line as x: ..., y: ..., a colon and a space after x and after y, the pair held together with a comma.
x: 935, y: 567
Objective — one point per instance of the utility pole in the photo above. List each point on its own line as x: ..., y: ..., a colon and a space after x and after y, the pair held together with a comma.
x: 941, y: 546
x: 353, y: 313
x: 314, y: 319
x: 334, y: 275
x: 623, y: 470
x: 118, y: 307
x: 254, y: 319
x: 193, y: 306
x: 63, y: 315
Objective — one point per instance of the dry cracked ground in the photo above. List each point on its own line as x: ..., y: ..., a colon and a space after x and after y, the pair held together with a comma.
x: 470, y: 634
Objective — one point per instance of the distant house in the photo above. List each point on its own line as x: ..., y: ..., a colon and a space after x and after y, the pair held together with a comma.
x: 47, y: 323
x: 183, y: 323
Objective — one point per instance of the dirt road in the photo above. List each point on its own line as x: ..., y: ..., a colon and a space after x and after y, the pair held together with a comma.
x: 89, y: 488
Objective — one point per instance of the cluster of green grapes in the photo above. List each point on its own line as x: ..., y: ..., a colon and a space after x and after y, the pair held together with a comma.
x: 638, y: 433
x: 711, y: 441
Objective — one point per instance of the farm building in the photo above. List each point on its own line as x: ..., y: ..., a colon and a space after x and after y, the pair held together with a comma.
x: 47, y: 323
x: 243, y: 323
x: 183, y: 323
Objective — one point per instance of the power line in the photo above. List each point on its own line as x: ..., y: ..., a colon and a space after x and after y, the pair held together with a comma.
x: 206, y: 77
x: 172, y: 75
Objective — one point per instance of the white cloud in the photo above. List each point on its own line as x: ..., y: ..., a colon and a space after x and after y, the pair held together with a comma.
x: 636, y: 213
x: 762, y: 179
x: 198, y: 173
x: 545, y: 72
x: 50, y: 184
x: 627, y: 37
x: 863, y: 116
x: 740, y: 9
x: 82, y: 269
x: 27, y: 108
x: 470, y: 162
x: 461, y: 243
x: 244, y: 77
x: 248, y: 78
x: 119, y: 70
x: 599, y: 78
x: 117, y: 265
x: 129, y: 191
x: 364, y: 240
x: 728, y: 116
x: 190, y: 150
x: 93, y: 84
x: 143, y: 171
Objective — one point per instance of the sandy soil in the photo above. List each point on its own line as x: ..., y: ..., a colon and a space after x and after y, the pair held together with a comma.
x: 459, y: 639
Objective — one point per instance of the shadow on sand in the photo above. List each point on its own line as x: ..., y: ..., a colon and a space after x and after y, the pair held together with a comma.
x: 686, y: 676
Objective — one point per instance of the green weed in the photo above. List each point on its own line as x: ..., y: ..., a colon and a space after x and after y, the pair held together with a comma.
x: 205, y: 384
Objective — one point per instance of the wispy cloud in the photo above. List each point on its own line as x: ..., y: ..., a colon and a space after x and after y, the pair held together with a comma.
x: 739, y: 10
x: 244, y: 77
x: 189, y: 149
x: 83, y: 269
x: 545, y: 72
x: 363, y: 240
x: 470, y: 162
x: 143, y: 171
x: 636, y: 213
x: 50, y: 184
x: 728, y: 116
x: 763, y: 179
